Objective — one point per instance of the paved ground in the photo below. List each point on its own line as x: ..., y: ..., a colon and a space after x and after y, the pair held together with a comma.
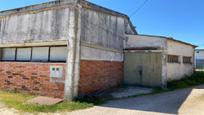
x: 130, y: 91
x: 184, y: 102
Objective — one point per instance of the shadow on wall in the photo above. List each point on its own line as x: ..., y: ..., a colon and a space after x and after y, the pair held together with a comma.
x: 169, y: 103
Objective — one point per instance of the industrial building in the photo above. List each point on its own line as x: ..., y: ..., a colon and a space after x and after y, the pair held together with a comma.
x: 69, y: 48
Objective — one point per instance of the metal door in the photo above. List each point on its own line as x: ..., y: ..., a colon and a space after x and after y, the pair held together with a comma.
x: 143, y: 68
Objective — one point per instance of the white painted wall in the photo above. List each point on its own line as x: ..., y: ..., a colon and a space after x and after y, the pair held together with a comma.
x: 140, y: 41
x: 170, y: 71
x: 176, y: 71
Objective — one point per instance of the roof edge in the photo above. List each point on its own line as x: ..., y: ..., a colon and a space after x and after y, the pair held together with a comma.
x: 89, y: 5
x: 169, y: 38
x: 37, y: 7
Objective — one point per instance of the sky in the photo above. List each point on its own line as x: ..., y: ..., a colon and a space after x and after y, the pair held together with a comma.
x: 180, y: 19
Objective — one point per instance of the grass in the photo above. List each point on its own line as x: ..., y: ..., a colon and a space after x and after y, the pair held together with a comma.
x: 196, y: 79
x: 18, y: 101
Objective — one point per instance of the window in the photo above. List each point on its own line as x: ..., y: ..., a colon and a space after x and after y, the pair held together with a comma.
x: 23, y: 54
x: 36, y: 54
x: 8, y: 54
x: 58, y: 53
x: 40, y: 53
x: 187, y: 60
x: 173, y: 59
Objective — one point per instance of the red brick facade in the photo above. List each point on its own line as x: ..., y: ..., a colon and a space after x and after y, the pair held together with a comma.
x: 99, y: 75
x: 35, y: 78
x: 30, y: 77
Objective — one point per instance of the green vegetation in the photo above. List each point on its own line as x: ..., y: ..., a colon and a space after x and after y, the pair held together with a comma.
x: 18, y: 101
x: 196, y: 79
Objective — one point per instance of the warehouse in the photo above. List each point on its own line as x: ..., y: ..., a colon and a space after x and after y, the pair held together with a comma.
x: 71, y: 48
x: 62, y: 48
x: 155, y: 60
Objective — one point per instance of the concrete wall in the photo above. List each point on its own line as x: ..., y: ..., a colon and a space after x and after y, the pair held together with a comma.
x: 94, y: 36
x: 102, y: 29
x: 102, y: 36
x: 43, y: 25
x: 140, y: 41
x: 178, y: 70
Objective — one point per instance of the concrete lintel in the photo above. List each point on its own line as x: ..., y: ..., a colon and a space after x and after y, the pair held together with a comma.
x: 132, y: 51
x: 39, y: 43
x: 96, y: 46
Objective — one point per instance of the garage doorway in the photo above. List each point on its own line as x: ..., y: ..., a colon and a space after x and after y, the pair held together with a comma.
x: 143, y: 68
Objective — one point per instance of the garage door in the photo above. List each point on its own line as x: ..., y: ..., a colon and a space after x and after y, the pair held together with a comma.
x: 143, y: 68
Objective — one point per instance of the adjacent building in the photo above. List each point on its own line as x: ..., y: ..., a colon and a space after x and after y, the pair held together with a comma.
x: 199, y: 58
x: 69, y: 48
x: 155, y: 60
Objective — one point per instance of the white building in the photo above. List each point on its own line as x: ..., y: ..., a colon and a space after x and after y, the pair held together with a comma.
x: 155, y: 60
x: 199, y: 58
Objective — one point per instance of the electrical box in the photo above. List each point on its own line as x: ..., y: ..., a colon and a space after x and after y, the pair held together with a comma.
x: 56, y: 71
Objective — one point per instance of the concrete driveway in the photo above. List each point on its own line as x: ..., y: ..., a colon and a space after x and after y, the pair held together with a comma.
x: 185, y: 102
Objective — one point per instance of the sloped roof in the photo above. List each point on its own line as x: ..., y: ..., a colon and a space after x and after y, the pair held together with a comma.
x: 169, y: 38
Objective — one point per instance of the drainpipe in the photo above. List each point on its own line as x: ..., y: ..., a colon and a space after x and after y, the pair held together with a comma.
x: 72, y: 73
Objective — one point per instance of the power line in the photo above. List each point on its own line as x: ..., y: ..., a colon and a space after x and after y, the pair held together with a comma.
x: 139, y: 8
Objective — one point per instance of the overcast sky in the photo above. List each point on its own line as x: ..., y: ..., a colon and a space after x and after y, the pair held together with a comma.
x: 180, y: 19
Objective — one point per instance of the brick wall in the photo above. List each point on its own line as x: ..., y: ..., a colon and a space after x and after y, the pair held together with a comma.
x: 30, y: 77
x: 99, y: 75
x: 34, y: 77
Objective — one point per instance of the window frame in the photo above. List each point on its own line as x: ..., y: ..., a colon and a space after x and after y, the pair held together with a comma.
x: 50, y: 56
x: 1, y: 58
x: 189, y: 60
x: 16, y: 54
x: 30, y: 60
x: 172, y: 60
x: 40, y: 47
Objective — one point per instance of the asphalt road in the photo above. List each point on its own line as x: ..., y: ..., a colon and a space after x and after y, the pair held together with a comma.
x: 184, y: 102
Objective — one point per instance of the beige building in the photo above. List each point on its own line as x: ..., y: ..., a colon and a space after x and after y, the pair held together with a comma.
x: 155, y: 60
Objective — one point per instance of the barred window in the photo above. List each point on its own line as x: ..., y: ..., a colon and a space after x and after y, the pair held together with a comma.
x: 173, y: 59
x: 187, y: 60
